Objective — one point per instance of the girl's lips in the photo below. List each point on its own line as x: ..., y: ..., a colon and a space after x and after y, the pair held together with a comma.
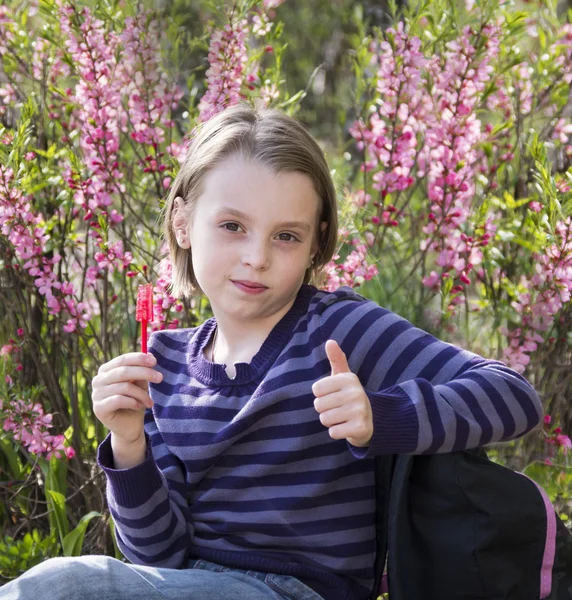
x: 252, y: 284
x: 248, y: 289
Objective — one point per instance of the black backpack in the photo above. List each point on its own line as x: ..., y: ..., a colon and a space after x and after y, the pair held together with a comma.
x: 458, y: 526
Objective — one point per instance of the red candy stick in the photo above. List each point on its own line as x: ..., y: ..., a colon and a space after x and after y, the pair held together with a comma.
x: 144, y: 311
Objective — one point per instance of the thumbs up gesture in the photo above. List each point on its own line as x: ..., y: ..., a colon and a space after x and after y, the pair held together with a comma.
x: 341, y: 401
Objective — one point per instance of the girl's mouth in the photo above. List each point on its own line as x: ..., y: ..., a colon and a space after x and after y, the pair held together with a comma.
x: 248, y: 289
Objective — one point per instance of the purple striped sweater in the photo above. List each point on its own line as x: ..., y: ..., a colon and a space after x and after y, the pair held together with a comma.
x: 241, y: 471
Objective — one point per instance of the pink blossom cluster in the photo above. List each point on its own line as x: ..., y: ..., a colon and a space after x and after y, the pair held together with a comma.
x: 261, y: 24
x: 178, y: 151
x: 562, y: 51
x: 103, y: 84
x: 7, y: 92
x: 390, y: 136
x: 28, y: 237
x: 12, y: 349
x: 562, y: 131
x: 97, y: 96
x: 6, y: 26
x: 30, y: 426
x: 555, y: 439
x: 23, y: 418
x: 434, y: 100
x: 150, y: 95
x: 521, y: 342
x: 353, y: 271
x: 227, y: 59
x: 458, y: 258
x: 114, y: 257
x: 98, y: 118
x: 451, y: 151
x: 163, y: 300
x: 547, y: 291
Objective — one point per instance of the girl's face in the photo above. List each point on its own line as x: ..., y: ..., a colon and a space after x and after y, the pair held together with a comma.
x: 251, y: 224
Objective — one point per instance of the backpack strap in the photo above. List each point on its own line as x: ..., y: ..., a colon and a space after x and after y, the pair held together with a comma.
x: 383, y: 467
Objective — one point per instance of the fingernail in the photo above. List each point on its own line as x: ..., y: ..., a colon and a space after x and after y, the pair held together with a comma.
x: 151, y: 359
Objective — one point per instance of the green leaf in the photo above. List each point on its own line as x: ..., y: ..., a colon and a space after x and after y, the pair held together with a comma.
x: 57, y: 505
x: 541, y: 38
x: 556, y: 480
x: 73, y: 542
x: 11, y: 456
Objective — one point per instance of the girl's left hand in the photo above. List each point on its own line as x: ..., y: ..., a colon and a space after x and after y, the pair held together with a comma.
x: 342, y: 402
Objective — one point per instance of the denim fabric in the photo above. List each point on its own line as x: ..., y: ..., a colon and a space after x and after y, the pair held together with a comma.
x: 106, y: 578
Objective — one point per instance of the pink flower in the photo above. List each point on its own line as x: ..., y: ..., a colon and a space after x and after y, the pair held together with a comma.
x: 432, y: 280
x: 562, y: 131
x: 269, y: 4
x: 354, y: 271
x: 564, y: 441
x: 29, y: 425
x: 27, y: 235
x: 227, y: 58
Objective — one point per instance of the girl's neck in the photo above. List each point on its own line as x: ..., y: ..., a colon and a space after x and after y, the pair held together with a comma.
x: 220, y: 353
x: 239, y: 343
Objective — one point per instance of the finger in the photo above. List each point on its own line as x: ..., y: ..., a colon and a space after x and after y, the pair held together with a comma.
x: 337, y: 416
x: 129, y: 359
x: 343, y: 431
x: 123, y: 389
x: 337, y: 358
x: 127, y: 373
x: 334, y: 383
x: 118, y: 402
x: 329, y: 402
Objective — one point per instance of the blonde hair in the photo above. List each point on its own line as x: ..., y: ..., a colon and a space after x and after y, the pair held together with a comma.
x: 273, y: 139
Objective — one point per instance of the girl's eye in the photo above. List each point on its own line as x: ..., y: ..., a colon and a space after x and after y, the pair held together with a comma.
x: 234, y: 224
x: 293, y: 238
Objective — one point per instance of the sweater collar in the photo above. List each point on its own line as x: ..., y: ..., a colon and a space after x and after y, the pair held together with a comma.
x: 210, y: 373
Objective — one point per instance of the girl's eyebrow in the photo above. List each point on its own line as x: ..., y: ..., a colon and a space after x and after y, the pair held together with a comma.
x: 233, y: 211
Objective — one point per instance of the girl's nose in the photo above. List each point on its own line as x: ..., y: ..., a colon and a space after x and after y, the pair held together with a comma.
x: 257, y: 256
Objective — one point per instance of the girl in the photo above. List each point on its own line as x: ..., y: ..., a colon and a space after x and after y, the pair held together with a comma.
x: 239, y: 460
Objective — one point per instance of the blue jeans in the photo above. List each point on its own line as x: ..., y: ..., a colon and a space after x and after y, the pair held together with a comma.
x: 106, y: 578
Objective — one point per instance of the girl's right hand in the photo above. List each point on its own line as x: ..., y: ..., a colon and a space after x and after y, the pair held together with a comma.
x: 120, y: 394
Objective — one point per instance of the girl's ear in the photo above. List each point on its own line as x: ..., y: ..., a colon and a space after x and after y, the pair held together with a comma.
x: 180, y: 222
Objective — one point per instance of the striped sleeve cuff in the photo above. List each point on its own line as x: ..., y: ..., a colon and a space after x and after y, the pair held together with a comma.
x: 130, y: 487
x: 395, y: 424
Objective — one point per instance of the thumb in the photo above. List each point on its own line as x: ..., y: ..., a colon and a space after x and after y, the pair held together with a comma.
x: 337, y: 358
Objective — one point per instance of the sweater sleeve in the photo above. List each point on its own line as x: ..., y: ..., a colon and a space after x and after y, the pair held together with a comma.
x: 427, y: 396
x: 148, y: 503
